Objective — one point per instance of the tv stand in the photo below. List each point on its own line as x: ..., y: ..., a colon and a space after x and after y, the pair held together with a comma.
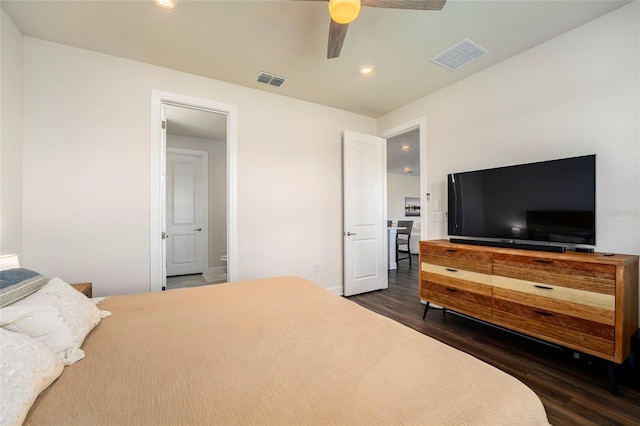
x: 584, y: 301
x: 503, y: 244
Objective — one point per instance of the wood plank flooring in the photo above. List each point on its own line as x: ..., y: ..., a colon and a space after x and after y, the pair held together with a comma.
x: 573, y: 390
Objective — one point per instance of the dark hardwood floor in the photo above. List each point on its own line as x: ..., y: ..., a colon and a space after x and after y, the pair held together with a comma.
x: 574, y: 391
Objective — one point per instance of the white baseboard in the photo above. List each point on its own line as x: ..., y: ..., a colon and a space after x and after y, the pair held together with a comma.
x: 336, y: 290
x: 217, y: 274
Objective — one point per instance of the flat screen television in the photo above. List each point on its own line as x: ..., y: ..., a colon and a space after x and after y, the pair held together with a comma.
x: 549, y: 203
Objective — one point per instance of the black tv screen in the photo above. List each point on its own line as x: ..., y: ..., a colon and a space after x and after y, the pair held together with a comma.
x: 550, y: 201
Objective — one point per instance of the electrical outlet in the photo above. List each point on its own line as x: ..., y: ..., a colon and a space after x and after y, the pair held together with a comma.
x: 316, y: 268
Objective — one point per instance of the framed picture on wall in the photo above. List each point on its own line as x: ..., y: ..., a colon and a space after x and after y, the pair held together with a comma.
x: 411, y: 206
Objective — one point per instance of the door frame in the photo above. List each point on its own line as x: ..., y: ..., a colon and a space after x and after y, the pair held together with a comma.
x: 421, y: 124
x: 203, y: 158
x: 157, y: 180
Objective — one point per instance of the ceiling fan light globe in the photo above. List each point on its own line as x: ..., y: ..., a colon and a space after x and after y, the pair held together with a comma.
x: 344, y: 11
x: 165, y: 4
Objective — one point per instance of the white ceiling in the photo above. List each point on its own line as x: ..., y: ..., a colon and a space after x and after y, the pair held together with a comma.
x: 234, y: 40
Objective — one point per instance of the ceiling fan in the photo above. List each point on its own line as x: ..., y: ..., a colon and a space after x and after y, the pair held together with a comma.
x: 345, y: 11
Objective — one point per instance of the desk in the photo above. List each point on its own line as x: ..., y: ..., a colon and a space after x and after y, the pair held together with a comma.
x: 392, y: 231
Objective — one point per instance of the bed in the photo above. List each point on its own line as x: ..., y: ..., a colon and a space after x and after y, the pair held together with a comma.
x: 271, y: 352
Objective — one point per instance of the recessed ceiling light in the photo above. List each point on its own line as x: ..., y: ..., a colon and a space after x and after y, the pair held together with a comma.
x: 405, y: 147
x: 165, y: 4
x: 366, y: 70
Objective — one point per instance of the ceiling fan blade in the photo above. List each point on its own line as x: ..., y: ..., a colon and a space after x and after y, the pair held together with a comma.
x: 406, y: 4
x: 337, y: 33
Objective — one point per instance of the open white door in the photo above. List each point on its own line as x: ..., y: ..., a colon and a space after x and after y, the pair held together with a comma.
x: 365, y: 199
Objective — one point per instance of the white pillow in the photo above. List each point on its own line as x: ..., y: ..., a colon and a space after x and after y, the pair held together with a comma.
x: 57, y: 315
x: 9, y: 261
x: 26, y: 369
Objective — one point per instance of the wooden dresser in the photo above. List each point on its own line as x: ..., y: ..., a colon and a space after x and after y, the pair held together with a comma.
x: 584, y: 301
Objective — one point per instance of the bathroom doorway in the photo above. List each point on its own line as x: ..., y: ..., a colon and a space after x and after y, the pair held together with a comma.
x: 196, y: 207
x: 225, y: 117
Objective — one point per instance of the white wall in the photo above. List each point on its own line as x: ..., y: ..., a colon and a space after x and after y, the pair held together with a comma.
x: 576, y: 94
x: 217, y: 211
x: 86, y: 203
x: 11, y: 137
x: 398, y: 187
x: 87, y: 167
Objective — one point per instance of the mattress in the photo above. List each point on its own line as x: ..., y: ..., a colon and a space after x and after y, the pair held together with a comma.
x: 272, y: 352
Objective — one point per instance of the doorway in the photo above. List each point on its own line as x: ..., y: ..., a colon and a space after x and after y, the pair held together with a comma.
x: 406, y: 183
x: 169, y: 128
x: 196, y: 202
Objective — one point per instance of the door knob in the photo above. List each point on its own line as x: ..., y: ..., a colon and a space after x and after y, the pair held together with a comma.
x: 198, y: 229
x: 350, y: 234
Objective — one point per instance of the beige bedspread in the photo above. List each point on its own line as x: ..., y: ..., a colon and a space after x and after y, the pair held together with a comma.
x: 275, y: 351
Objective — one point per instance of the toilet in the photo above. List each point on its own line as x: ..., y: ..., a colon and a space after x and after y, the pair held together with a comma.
x: 217, y: 274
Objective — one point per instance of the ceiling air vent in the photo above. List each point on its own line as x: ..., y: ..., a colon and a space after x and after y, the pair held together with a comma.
x: 270, y: 79
x: 460, y: 55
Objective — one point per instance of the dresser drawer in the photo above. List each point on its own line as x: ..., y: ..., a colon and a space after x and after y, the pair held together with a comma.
x: 455, y: 257
x: 594, y: 277
x: 586, y: 304
x: 464, y: 301
x: 467, y: 292
x: 579, y: 333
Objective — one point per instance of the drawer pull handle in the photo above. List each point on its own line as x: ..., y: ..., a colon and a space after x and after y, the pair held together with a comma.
x: 544, y: 314
x: 453, y: 290
x: 452, y: 270
x: 452, y: 250
x: 544, y: 261
x: 543, y: 287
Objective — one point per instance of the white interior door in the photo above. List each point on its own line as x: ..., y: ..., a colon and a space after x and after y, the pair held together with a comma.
x: 365, y: 199
x: 186, y: 209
